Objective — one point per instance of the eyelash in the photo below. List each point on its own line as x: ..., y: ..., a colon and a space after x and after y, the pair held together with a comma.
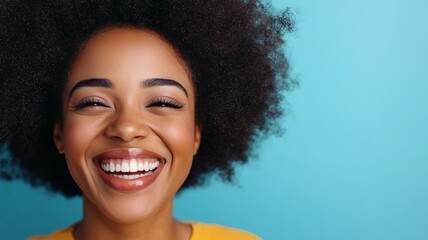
x: 165, y: 102
x: 90, y: 103
x: 159, y: 102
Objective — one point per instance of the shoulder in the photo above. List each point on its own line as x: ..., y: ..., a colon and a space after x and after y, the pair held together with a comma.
x: 203, y: 231
x: 200, y: 231
x: 64, y: 234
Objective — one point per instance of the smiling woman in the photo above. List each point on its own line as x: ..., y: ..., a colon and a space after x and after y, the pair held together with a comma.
x: 132, y: 93
x: 142, y: 136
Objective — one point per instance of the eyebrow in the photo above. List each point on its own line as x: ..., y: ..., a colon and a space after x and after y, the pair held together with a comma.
x: 153, y: 82
x: 106, y: 83
x: 92, y: 82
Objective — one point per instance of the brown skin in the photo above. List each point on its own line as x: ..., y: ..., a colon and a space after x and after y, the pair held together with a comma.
x: 126, y: 118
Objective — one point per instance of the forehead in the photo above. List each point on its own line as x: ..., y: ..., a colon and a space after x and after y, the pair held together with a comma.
x: 127, y: 52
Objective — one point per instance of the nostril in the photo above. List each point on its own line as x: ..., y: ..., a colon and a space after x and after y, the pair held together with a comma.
x: 116, y: 138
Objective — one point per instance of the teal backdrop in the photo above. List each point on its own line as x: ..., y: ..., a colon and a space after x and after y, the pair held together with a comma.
x: 353, y: 163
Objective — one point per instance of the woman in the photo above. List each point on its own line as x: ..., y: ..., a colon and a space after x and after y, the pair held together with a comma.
x: 126, y: 102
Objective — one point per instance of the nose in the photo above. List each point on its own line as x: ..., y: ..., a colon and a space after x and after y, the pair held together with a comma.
x: 126, y: 126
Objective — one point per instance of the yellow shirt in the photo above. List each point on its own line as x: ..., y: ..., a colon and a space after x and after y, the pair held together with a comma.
x: 200, y: 231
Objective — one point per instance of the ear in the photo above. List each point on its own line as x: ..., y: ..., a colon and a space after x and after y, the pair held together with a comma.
x: 57, y: 136
x: 197, y: 143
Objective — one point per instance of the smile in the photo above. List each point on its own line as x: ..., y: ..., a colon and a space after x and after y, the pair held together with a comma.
x: 129, y: 169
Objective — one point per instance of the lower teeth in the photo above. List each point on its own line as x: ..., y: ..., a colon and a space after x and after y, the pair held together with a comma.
x: 131, y: 177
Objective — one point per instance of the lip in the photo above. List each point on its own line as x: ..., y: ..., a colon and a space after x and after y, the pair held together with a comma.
x: 127, y: 185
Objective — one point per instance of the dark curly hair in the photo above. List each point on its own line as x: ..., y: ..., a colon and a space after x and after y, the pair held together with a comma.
x: 232, y: 47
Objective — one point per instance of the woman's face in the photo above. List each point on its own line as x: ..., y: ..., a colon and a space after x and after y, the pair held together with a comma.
x: 128, y: 126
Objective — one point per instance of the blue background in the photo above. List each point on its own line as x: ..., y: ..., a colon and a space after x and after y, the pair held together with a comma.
x: 353, y: 163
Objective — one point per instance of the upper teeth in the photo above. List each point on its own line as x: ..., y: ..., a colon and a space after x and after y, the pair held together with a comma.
x: 131, y: 165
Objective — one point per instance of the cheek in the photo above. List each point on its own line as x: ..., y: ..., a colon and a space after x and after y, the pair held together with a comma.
x: 78, y: 135
x: 179, y: 137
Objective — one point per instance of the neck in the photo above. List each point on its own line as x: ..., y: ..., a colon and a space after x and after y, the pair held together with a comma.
x: 161, y: 226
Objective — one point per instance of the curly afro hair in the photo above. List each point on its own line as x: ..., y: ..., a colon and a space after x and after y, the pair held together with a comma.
x: 232, y: 47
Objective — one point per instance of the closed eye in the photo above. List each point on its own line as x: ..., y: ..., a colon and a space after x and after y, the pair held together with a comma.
x: 95, y: 102
x: 165, y: 102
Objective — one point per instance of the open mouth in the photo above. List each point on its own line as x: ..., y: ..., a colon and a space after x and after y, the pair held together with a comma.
x: 129, y: 168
